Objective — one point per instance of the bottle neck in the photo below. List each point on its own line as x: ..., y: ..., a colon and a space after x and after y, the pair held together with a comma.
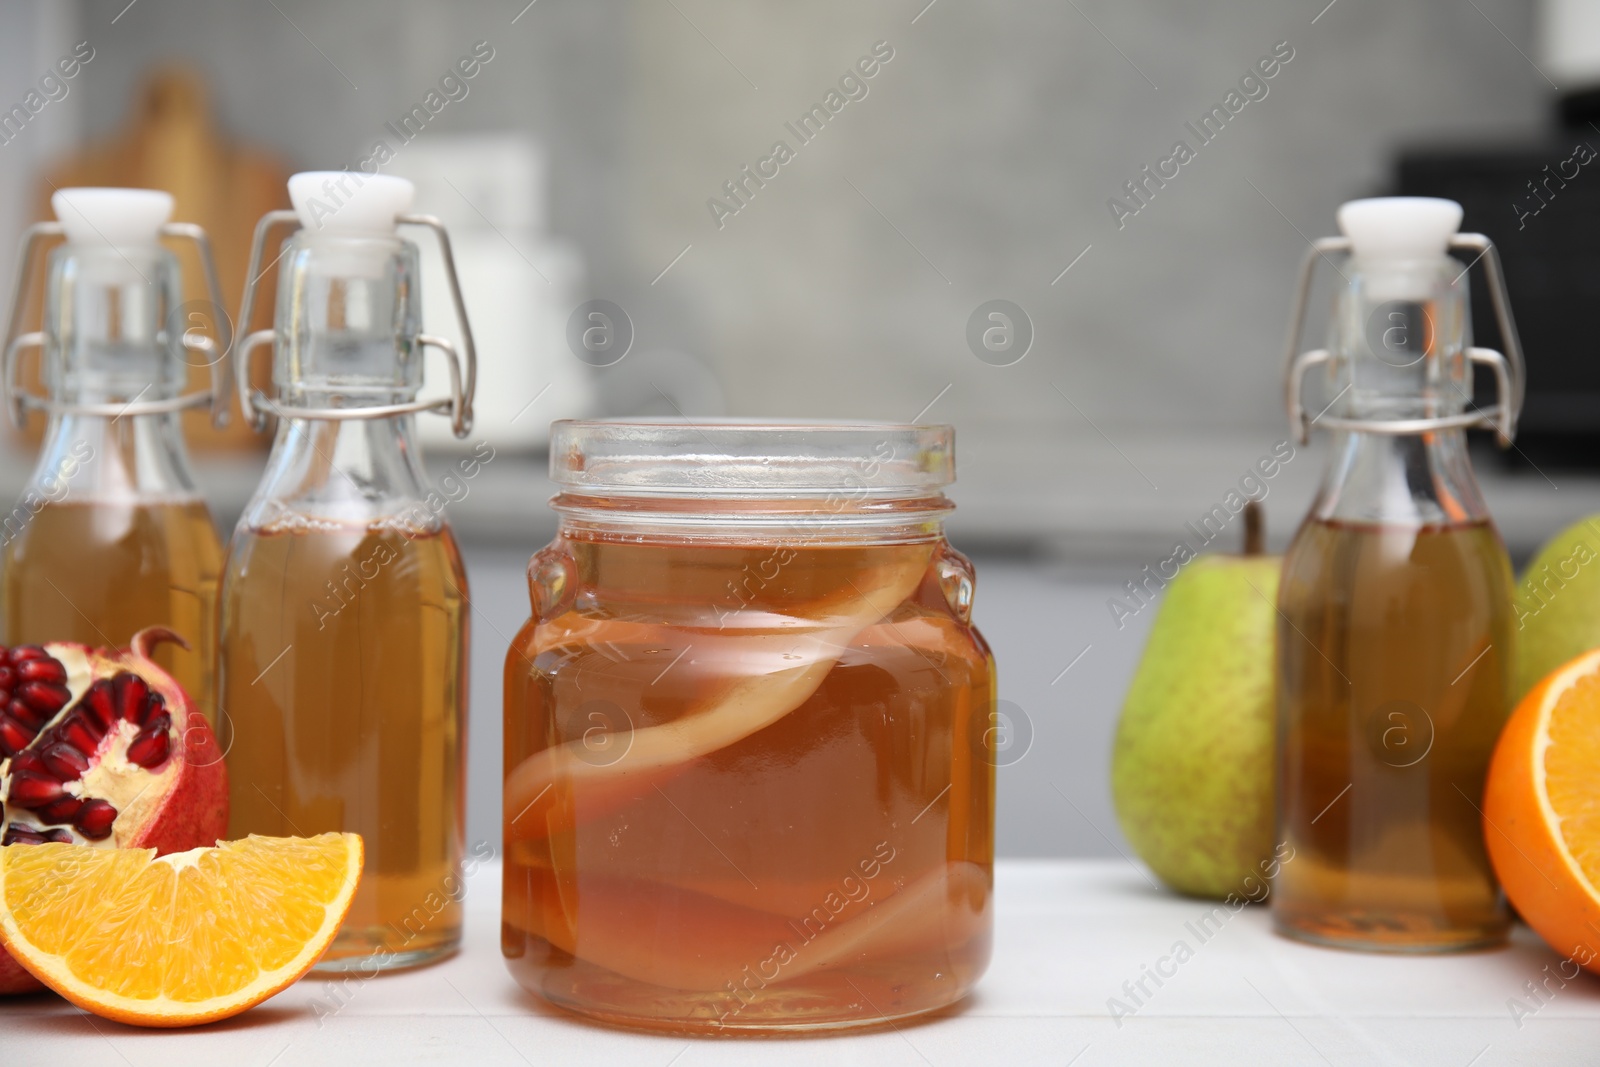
x: 343, y: 471
x: 1398, y: 340
x: 1401, y: 479
x: 112, y: 337
x: 111, y: 325
x: 1398, y: 343
x: 347, y: 322
x: 346, y: 339
x: 99, y: 458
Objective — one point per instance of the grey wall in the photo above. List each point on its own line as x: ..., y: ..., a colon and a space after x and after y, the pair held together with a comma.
x: 32, y: 37
x: 987, y: 148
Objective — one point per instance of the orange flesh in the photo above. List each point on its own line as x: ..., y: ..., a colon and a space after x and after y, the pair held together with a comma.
x: 190, y: 937
x: 1570, y: 763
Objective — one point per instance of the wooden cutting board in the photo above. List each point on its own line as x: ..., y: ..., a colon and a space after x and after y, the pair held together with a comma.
x: 169, y: 141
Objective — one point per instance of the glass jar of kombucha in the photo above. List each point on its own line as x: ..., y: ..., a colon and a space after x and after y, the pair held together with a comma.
x: 747, y: 783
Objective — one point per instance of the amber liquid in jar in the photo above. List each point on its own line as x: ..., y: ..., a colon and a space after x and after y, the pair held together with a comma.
x: 344, y: 689
x: 1396, y: 646
x: 745, y: 784
x: 98, y: 571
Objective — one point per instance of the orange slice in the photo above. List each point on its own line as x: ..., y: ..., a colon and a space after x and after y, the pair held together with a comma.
x: 188, y: 938
x: 1541, y: 809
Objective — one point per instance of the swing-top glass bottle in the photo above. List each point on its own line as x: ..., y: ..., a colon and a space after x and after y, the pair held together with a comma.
x: 1395, y: 640
x: 111, y: 534
x: 344, y: 603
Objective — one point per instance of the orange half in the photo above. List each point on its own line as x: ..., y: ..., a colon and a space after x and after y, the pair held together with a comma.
x: 190, y: 937
x: 1541, y: 809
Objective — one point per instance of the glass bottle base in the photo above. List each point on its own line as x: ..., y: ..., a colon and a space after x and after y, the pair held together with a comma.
x: 867, y: 998
x: 1391, y: 934
x: 354, y: 954
x: 792, y: 1015
x: 753, y: 1028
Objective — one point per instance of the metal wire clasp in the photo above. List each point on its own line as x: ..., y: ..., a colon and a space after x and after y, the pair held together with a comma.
x: 257, y: 406
x: 1501, y: 416
x: 214, y: 349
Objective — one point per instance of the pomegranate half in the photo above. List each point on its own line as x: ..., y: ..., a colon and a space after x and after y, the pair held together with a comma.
x: 102, y: 747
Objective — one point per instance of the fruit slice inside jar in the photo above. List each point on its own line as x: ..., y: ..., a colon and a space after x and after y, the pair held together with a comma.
x: 187, y: 938
x: 775, y: 664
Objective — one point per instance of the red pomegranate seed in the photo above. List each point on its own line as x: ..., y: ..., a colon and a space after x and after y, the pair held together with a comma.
x: 94, y: 821
x: 18, y: 834
x: 65, y: 762
x: 76, y: 731
x: 59, y: 837
x: 154, y: 708
x: 28, y: 761
x: 26, y: 652
x: 61, y: 811
x: 150, y: 748
x: 32, y: 790
x: 48, y: 697
x: 42, y: 670
x: 8, y: 676
x: 31, y: 717
x: 129, y: 695
x: 14, y: 736
x: 100, y: 702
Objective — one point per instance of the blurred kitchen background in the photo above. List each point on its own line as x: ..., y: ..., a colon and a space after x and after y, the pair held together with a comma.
x: 1142, y: 375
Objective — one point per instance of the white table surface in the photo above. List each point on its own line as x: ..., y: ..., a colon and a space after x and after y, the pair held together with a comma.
x: 1069, y: 934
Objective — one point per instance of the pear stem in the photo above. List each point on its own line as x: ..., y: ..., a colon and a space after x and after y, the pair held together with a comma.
x: 1255, y: 528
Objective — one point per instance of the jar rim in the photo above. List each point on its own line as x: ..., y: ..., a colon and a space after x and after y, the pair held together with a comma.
x: 737, y: 458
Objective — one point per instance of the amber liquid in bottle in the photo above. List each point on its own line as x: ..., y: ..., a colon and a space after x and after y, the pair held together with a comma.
x: 1395, y: 645
x: 345, y: 692
x: 98, y: 571
x: 789, y: 877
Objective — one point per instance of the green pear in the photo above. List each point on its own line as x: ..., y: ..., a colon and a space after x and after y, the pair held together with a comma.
x: 1557, y: 603
x: 1192, y: 765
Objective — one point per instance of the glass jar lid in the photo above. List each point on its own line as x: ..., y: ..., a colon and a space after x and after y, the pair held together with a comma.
x: 745, y: 459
